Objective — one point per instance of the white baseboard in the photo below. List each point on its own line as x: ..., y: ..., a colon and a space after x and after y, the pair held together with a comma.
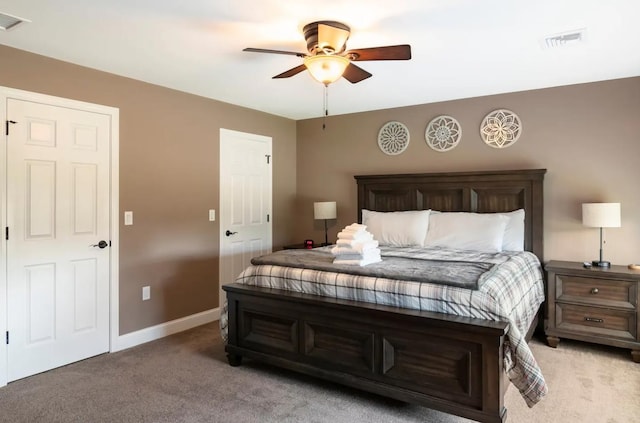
x: 165, y: 329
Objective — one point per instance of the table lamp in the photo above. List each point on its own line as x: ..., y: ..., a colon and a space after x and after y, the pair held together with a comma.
x: 601, y: 215
x: 324, y: 210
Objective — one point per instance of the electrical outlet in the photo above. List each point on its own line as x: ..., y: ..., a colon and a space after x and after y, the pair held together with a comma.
x: 212, y: 215
x: 146, y: 293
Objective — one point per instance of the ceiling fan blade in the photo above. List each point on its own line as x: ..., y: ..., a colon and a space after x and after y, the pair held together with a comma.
x: 264, y: 50
x: 291, y: 72
x: 355, y: 73
x: 400, y: 52
x: 332, y: 37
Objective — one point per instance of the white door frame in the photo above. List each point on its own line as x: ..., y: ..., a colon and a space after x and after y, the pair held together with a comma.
x: 114, y: 113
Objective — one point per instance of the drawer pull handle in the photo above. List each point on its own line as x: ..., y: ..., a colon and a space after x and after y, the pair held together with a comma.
x: 593, y: 319
x: 594, y: 291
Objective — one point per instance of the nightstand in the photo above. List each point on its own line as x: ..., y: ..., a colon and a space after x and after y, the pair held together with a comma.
x: 299, y: 246
x: 594, y: 305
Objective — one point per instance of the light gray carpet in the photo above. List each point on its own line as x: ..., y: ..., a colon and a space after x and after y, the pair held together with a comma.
x: 186, y: 378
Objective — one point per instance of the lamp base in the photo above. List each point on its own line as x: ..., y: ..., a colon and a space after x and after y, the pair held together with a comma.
x: 599, y: 263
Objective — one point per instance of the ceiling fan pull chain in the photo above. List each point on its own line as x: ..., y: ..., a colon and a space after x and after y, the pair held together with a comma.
x: 326, y: 106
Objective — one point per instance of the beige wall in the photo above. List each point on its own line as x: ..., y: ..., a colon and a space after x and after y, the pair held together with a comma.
x: 169, y: 153
x: 586, y: 136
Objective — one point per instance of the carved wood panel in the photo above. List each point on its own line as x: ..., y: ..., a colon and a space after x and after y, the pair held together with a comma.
x: 500, y: 199
x: 268, y: 330
x: 440, y: 367
x: 340, y: 346
x: 443, y: 199
x: 390, y: 199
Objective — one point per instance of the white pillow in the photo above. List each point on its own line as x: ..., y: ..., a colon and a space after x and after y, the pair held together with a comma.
x: 467, y: 231
x: 514, y: 232
x: 397, y: 229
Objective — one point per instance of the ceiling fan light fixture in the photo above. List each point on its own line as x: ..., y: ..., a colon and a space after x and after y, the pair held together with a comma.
x: 326, y: 68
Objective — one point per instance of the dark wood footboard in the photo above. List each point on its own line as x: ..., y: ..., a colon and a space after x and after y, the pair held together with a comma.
x: 453, y: 364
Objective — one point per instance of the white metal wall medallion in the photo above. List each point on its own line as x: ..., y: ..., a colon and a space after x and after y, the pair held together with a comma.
x: 443, y: 133
x: 501, y: 128
x: 393, y: 138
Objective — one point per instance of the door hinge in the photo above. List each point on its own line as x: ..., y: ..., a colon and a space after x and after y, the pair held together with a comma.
x: 6, y: 233
x: 7, y: 337
x: 267, y: 218
x: 268, y: 156
x: 7, y: 125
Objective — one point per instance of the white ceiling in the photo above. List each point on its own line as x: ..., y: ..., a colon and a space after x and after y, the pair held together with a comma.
x: 461, y: 48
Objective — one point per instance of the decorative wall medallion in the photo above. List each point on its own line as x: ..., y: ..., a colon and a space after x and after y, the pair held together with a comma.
x: 501, y: 128
x: 443, y: 133
x: 393, y: 138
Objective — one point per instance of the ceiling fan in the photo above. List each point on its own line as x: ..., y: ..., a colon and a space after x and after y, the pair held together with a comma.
x: 328, y: 58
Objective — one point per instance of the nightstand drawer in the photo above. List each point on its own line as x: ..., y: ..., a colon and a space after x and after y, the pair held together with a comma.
x: 619, y: 324
x: 595, y: 291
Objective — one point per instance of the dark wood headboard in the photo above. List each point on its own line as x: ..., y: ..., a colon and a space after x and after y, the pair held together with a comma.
x: 480, y: 192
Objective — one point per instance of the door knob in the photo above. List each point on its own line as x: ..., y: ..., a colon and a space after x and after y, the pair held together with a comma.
x: 101, y: 244
x: 229, y: 233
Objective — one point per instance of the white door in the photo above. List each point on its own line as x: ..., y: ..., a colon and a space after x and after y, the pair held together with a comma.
x: 245, y: 201
x: 58, y: 173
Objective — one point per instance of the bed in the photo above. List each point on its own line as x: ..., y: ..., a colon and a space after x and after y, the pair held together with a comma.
x: 457, y: 364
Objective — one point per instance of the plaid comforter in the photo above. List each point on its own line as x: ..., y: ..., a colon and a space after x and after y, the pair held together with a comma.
x: 511, y: 291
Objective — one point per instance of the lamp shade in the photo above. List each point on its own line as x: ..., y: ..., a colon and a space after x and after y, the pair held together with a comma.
x: 601, y: 215
x: 324, y: 210
x: 326, y: 68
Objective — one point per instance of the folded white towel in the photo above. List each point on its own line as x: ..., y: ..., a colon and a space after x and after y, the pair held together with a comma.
x: 367, y: 255
x: 345, y: 246
x: 352, y: 232
x: 355, y: 227
x: 361, y: 262
x: 352, y: 243
x: 356, y: 236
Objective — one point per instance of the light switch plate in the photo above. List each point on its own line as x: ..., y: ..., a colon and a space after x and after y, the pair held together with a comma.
x: 212, y: 215
x: 128, y: 218
x: 146, y: 293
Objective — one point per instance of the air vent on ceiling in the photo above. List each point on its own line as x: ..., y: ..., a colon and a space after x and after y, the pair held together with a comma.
x: 568, y: 38
x: 9, y: 22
